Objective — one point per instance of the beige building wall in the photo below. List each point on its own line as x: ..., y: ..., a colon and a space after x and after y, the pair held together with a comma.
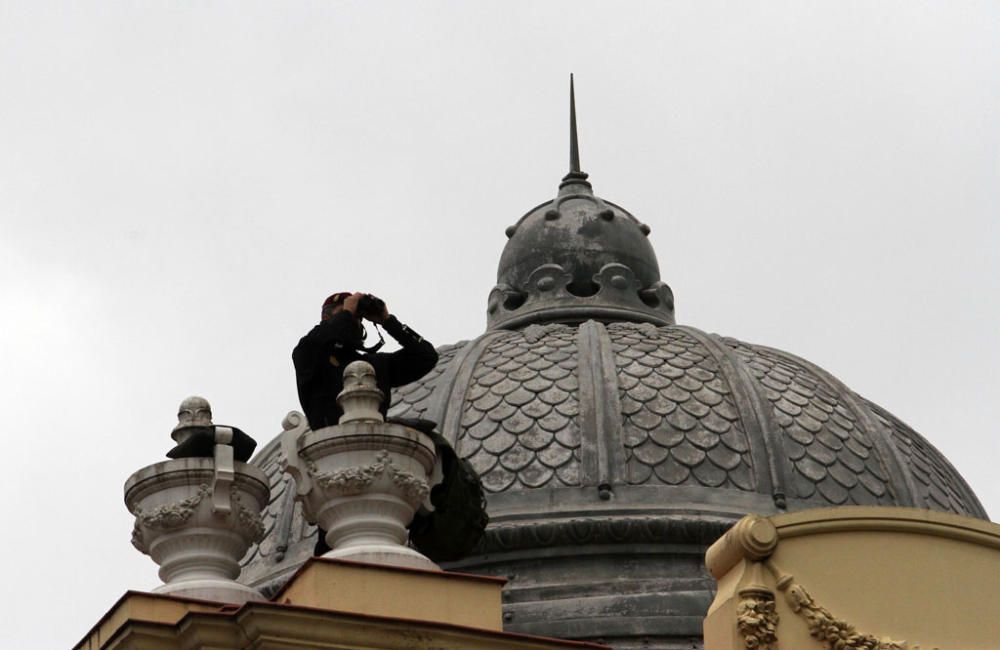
x: 860, y: 577
x: 328, y: 604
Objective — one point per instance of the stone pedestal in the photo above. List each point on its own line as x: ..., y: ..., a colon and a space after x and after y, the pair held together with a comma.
x: 363, y: 480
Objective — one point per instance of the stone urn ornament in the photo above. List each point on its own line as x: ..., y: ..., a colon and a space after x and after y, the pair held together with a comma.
x: 363, y: 480
x: 197, y: 516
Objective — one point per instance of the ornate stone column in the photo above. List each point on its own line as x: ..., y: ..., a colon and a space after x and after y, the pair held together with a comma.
x: 196, y: 517
x: 362, y: 480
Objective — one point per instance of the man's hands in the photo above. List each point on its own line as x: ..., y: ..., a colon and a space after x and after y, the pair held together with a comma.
x: 380, y: 318
x: 351, y: 305
x: 351, y: 302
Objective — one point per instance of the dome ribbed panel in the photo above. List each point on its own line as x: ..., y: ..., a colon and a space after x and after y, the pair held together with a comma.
x: 519, y: 416
x: 413, y: 400
x: 940, y: 487
x: 832, y: 457
x: 680, y: 424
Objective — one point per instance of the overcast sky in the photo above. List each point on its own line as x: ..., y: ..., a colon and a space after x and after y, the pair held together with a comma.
x: 182, y: 183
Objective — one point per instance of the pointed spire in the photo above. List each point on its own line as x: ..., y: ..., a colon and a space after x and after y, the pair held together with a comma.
x: 575, y: 181
x: 574, y: 145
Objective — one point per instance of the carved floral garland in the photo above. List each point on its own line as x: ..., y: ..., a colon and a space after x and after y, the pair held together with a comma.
x: 166, y: 516
x: 833, y: 633
x: 355, y: 480
x: 757, y: 621
x: 174, y: 515
x: 837, y: 634
x: 249, y: 520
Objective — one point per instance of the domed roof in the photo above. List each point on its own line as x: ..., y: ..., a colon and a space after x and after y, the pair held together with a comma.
x: 609, y: 406
x: 615, y: 445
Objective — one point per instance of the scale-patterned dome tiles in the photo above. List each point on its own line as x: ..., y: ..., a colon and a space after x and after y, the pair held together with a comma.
x: 412, y: 400
x: 680, y: 424
x: 938, y: 483
x: 519, y: 414
x: 831, y: 455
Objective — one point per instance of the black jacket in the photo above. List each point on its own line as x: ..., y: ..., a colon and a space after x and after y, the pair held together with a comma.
x: 323, y: 353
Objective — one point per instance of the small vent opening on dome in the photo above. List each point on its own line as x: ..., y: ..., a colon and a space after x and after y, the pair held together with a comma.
x: 514, y: 300
x: 583, y: 288
x: 649, y: 298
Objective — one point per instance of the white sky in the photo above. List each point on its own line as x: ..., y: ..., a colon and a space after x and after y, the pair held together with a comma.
x: 182, y: 183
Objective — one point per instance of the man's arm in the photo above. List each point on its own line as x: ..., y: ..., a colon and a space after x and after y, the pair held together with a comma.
x: 414, y: 360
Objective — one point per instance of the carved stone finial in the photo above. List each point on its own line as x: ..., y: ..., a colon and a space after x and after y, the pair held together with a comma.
x: 194, y: 412
x: 361, y: 399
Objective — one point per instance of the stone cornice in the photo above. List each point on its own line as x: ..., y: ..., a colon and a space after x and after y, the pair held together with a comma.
x: 672, y: 529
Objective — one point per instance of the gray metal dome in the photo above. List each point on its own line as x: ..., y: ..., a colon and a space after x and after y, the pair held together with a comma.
x: 616, y: 446
x: 615, y: 453
x: 606, y: 407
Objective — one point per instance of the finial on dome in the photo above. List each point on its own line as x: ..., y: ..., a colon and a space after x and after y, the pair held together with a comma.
x: 574, y: 145
x: 575, y: 177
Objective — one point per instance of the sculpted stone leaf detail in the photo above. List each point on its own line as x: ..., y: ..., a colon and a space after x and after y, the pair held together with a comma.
x: 355, y: 480
x: 348, y: 481
x: 248, y: 520
x: 757, y: 621
x: 166, y: 516
x: 835, y: 633
x: 171, y: 515
x: 415, y: 488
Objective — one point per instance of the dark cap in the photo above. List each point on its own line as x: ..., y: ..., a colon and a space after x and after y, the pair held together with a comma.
x: 336, y: 299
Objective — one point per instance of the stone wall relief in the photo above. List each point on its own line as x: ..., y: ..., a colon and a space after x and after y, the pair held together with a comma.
x: 757, y: 620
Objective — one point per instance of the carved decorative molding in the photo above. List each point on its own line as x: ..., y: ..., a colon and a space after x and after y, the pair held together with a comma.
x: 355, y: 480
x: 349, y: 481
x: 834, y: 633
x: 757, y: 619
x: 166, y: 516
x: 174, y: 515
x: 249, y: 520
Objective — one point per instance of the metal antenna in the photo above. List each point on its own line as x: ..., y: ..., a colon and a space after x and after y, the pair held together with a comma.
x: 574, y: 145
